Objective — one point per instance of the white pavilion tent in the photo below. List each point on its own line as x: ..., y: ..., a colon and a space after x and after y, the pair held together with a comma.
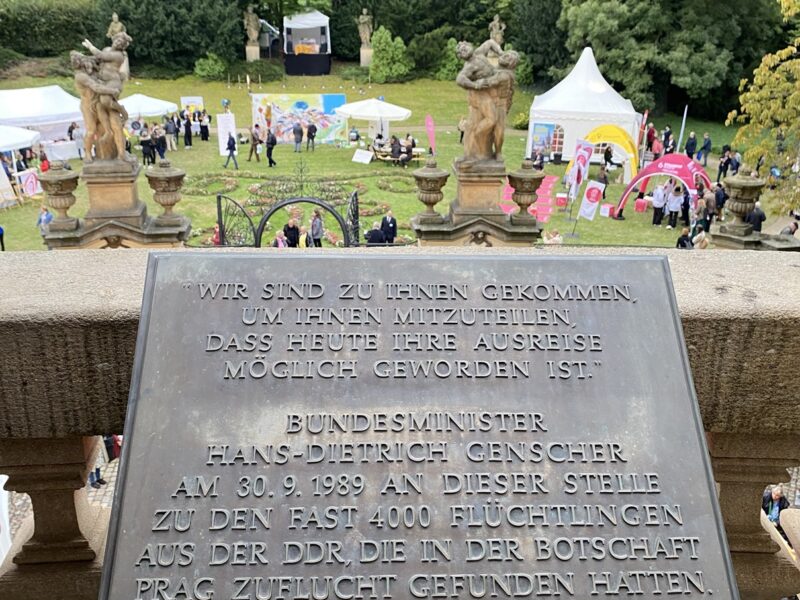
x: 139, y: 105
x: 307, y: 43
x: 14, y: 138
x: 48, y: 109
x: 377, y: 112
x: 579, y: 103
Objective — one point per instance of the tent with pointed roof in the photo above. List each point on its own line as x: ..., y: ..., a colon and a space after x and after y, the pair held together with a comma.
x: 579, y: 103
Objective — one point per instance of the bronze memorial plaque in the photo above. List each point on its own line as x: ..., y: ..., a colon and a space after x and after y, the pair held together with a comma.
x: 335, y: 426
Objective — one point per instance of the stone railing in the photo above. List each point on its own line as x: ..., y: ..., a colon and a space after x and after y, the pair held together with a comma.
x: 68, y: 323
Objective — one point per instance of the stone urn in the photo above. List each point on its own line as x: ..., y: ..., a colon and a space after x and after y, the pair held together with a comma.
x: 166, y: 182
x: 430, y: 180
x: 525, y: 181
x: 743, y: 192
x: 59, y: 184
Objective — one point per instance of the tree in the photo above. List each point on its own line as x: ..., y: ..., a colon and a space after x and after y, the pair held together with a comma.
x: 450, y: 64
x: 540, y: 39
x: 175, y: 34
x: 770, y: 116
x: 390, y: 61
x: 273, y: 11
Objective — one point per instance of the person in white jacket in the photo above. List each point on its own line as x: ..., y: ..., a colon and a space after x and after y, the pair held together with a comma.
x: 659, y: 201
x: 674, y: 202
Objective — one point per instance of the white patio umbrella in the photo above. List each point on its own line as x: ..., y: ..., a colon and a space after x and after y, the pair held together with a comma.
x: 14, y: 138
x: 376, y: 111
x: 139, y: 105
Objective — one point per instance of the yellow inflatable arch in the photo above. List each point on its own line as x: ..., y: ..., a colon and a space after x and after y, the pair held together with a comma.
x: 613, y: 134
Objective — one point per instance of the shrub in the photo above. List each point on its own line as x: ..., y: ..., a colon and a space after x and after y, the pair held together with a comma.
x: 145, y: 71
x: 450, y: 64
x: 210, y: 68
x: 520, y: 121
x: 47, y: 28
x: 390, y: 61
x: 524, y: 71
x: 9, y: 58
x: 269, y: 71
x: 355, y: 73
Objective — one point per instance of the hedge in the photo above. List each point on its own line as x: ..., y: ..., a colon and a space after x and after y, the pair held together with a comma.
x: 47, y: 28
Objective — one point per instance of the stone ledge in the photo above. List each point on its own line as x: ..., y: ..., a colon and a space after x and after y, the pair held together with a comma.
x: 68, y: 322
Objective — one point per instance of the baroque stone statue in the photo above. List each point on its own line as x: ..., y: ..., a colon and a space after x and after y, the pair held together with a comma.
x: 116, y: 26
x: 497, y: 30
x: 364, y: 21
x: 490, y: 93
x: 99, y: 79
x: 252, y: 25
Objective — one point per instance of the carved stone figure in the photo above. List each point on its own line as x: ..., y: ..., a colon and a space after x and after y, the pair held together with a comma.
x: 486, y: 88
x: 116, y: 26
x: 501, y: 87
x: 497, y: 30
x: 99, y: 80
x: 364, y: 21
x: 252, y: 25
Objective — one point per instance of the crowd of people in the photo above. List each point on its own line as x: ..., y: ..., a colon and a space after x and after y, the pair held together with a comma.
x: 294, y: 235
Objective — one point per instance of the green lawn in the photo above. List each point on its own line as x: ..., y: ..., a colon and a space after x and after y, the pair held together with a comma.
x: 443, y: 100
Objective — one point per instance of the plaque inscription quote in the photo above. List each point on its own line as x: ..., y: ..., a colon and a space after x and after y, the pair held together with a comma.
x: 331, y: 426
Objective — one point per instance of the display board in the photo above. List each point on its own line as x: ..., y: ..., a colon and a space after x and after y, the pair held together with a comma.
x: 280, y: 112
x: 332, y: 425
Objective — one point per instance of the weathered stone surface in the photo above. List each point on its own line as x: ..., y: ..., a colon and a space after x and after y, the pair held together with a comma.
x: 72, y: 318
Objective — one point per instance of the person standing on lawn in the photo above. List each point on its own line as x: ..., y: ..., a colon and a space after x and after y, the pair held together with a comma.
x: 705, y: 150
x: 231, y: 147
x: 297, y: 132
x: 272, y: 141
x: 311, y: 134
x: 255, y: 143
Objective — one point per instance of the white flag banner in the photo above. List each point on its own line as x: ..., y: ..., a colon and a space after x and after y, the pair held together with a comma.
x: 6, y: 191
x: 580, y: 163
x: 591, y: 200
x: 226, y: 123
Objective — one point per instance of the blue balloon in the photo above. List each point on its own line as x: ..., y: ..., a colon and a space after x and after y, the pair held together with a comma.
x: 381, y: 98
x: 225, y: 103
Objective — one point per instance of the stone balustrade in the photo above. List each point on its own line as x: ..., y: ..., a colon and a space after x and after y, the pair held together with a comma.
x: 68, y: 323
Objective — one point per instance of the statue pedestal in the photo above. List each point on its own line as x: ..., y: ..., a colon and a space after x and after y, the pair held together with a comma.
x: 252, y: 52
x: 113, y: 193
x: 366, y: 57
x: 475, y: 217
x: 116, y: 217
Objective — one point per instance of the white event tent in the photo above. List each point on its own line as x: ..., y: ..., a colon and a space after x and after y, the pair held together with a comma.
x: 376, y: 111
x: 307, y: 43
x: 14, y: 138
x: 139, y: 105
x: 579, y: 103
x: 48, y: 109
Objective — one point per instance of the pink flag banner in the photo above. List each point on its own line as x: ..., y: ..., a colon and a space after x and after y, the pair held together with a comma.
x: 591, y: 200
x: 431, y: 130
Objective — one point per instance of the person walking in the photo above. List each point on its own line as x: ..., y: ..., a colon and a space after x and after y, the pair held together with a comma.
x: 691, y: 145
x: 231, y: 147
x: 389, y: 227
x: 255, y: 143
x: 297, y: 131
x: 317, y: 229
x: 705, y: 150
x: 272, y: 141
x: 187, y: 134
x: 311, y: 134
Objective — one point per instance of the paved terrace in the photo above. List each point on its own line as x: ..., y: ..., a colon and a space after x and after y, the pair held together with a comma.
x: 68, y: 323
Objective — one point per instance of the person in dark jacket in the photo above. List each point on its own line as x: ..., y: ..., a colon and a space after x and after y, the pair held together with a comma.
x: 292, y: 233
x: 375, y: 235
x: 666, y: 135
x: 705, y: 150
x: 756, y: 217
x: 685, y: 241
x: 231, y: 146
x: 272, y: 141
x: 395, y: 150
x: 389, y: 227
x: 691, y: 145
x: 187, y: 134
x: 297, y: 132
x: 311, y: 134
x: 772, y: 503
x: 721, y: 198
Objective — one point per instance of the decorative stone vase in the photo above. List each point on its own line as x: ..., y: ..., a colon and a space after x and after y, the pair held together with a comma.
x: 525, y: 182
x: 59, y: 184
x: 430, y: 180
x: 743, y: 193
x: 166, y: 182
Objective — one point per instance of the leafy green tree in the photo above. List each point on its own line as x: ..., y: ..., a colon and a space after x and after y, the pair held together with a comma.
x: 390, y: 60
x: 539, y: 39
x: 273, y: 11
x: 769, y: 116
x: 450, y: 64
x: 178, y: 32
